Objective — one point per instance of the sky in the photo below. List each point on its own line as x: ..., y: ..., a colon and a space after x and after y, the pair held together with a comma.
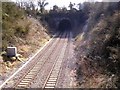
x: 61, y: 3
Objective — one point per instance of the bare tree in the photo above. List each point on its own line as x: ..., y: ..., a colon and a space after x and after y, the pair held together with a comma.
x: 42, y: 4
x: 71, y: 5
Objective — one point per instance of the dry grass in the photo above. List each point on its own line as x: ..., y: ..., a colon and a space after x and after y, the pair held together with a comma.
x: 98, y: 55
x: 26, y: 45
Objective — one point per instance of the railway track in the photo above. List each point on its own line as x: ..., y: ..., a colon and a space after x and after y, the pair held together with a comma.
x: 54, y: 51
x: 32, y: 72
x: 61, y: 81
x: 53, y: 74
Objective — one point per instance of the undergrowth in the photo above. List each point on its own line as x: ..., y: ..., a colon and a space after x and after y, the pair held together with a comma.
x: 99, y: 52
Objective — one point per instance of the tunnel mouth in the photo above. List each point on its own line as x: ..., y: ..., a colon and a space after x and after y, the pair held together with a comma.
x: 65, y: 25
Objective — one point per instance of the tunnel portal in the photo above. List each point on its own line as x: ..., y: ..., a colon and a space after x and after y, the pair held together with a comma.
x: 64, y: 25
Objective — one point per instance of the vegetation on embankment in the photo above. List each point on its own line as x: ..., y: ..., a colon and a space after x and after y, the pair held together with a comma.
x: 98, y: 48
x: 21, y: 30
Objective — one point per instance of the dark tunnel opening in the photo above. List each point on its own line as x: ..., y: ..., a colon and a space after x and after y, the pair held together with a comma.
x: 64, y: 25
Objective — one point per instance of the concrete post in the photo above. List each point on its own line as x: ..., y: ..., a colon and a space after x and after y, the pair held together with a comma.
x: 11, y: 51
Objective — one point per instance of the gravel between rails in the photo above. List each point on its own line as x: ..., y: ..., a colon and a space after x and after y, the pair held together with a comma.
x: 68, y: 63
x: 41, y: 77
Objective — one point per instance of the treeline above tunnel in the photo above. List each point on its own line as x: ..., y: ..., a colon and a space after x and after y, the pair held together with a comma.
x: 65, y: 20
x: 93, y: 11
x: 74, y: 17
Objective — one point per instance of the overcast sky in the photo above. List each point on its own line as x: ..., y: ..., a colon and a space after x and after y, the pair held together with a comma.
x: 60, y: 3
x: 65, y: 3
